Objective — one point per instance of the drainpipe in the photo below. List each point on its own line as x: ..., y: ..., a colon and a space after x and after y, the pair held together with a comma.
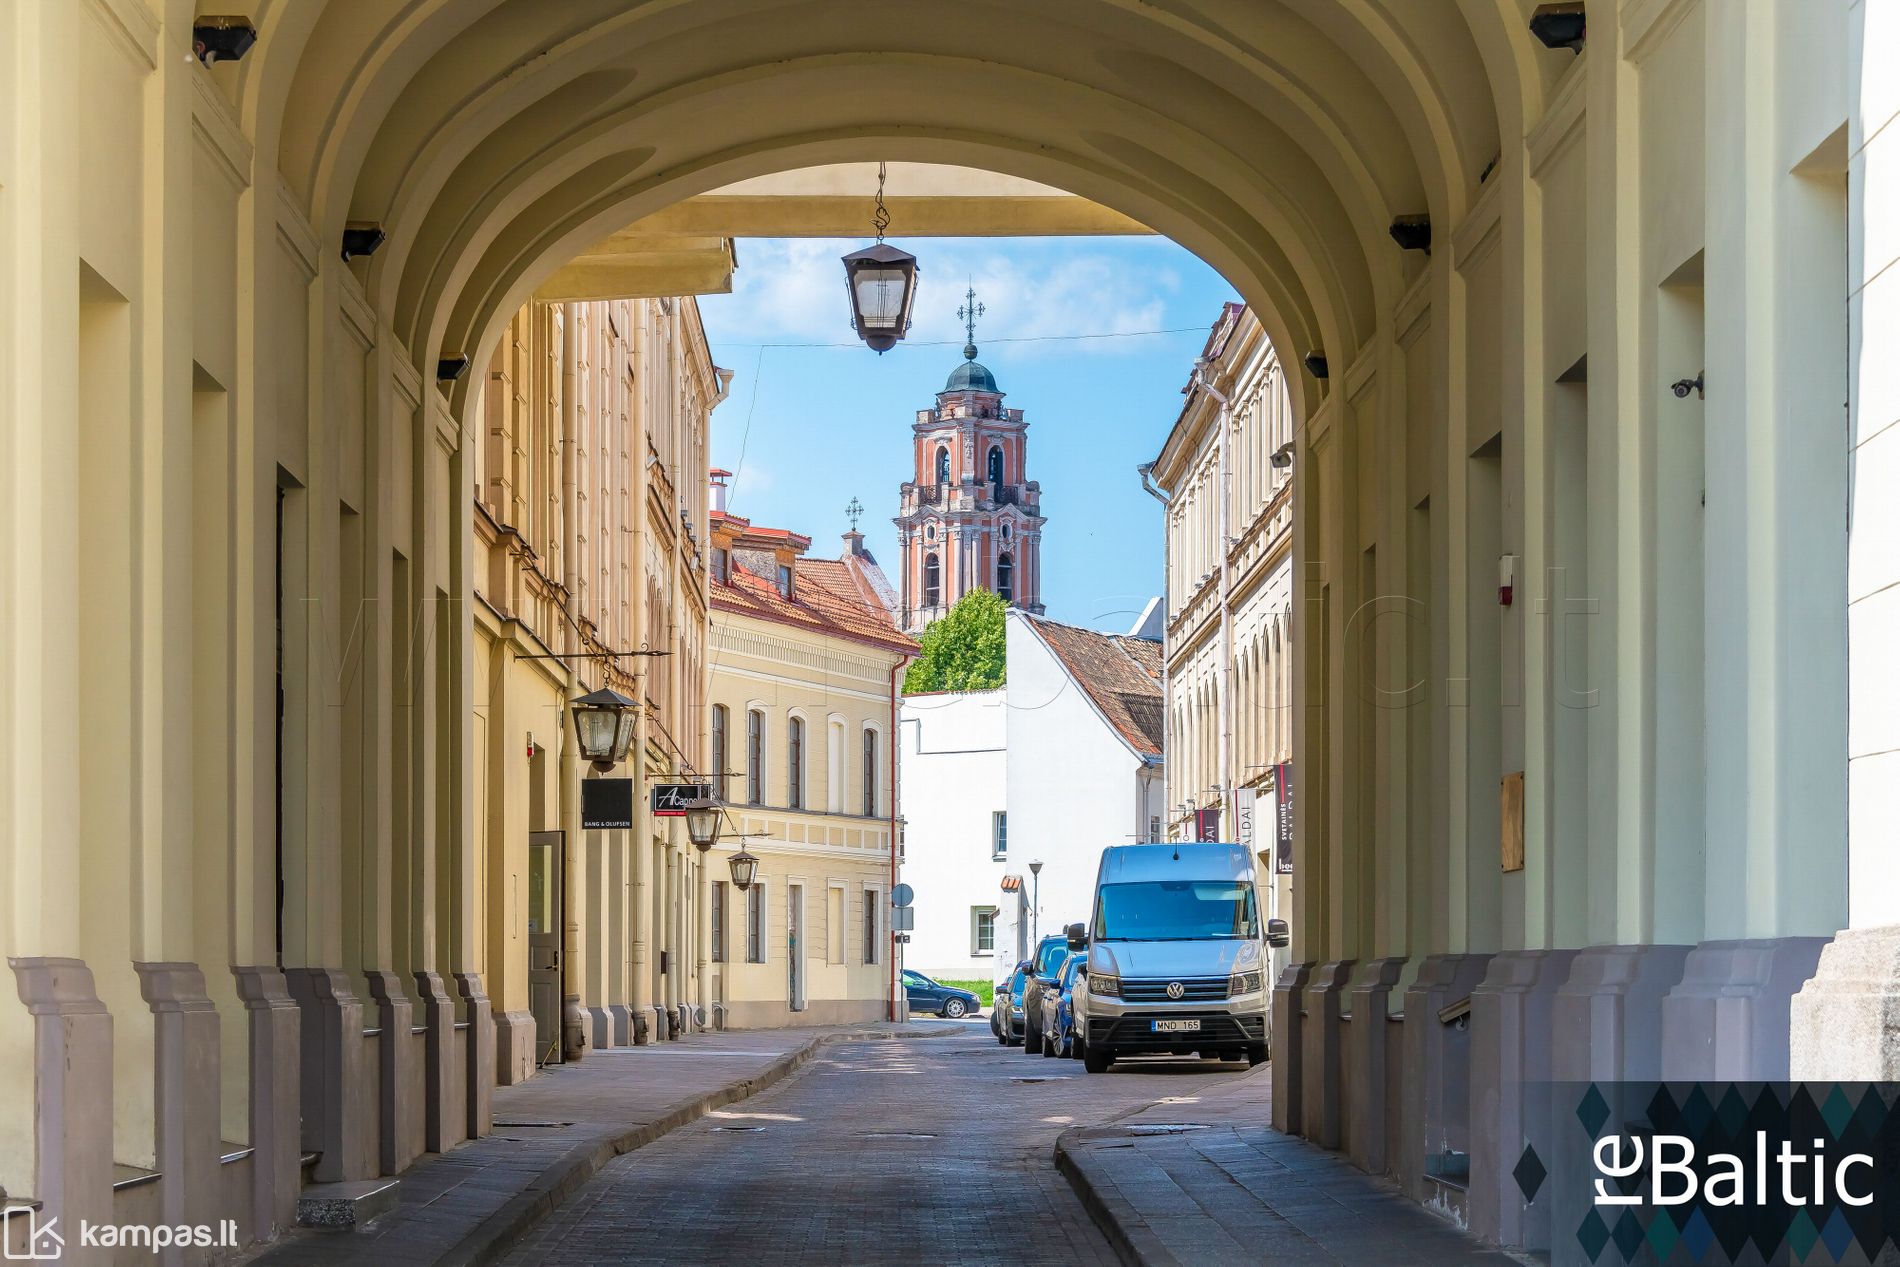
x: 1146, y: 470
x: 573, y: 1024
x: 1224, y: 703
x: 890, y: 742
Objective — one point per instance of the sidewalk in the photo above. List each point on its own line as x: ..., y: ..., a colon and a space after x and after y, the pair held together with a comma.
x: 554, y: 1131
x: 1205, y: 1180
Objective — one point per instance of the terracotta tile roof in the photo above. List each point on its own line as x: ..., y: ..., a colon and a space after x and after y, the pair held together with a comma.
x: 1121, y: 675
x: 825, y: 599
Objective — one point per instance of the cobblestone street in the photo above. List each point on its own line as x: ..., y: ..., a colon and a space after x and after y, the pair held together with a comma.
x: 877, y: 1152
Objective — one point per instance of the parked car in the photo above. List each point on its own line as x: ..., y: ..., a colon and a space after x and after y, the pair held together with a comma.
x: 1176, y: 957
x: 1050, y: 952
x: 946, y: 1001
x: 1058, y: 1029
x: 1006, y: 1015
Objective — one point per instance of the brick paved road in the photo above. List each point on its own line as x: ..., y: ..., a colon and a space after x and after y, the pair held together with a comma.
x: 833, y: 1176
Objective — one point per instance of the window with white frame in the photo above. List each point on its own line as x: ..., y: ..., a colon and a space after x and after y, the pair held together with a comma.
x: 718, y: 921
x: 835, y: 937
x: 755, y: 922
x: 795, y: 763
x: 754, y: 757
x: 999, y: 834
x: 982, y: 930
x: 870, y: 926
x: 870, y: 774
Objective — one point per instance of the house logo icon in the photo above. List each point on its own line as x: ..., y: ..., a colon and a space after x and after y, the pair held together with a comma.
x: 43, y: 1242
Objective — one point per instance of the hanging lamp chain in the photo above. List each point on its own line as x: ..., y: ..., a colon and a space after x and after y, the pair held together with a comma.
x: 881, y: 218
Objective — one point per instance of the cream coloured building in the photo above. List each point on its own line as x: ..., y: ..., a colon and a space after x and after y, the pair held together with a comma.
x: 807, y: 660
x: 208, y: 410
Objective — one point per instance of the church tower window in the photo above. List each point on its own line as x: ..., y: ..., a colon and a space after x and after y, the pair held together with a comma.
x: 996, y: 467
x: 943, y: 464
x: 1005, y: 578
x: 933, y: 581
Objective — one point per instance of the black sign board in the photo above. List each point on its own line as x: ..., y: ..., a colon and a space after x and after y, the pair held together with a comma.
x: 669, y: 799
x: 606, y: 804
x: 1283, y: 818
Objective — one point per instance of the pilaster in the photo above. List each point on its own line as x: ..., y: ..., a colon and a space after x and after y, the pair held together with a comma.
x: 185, y: 1052
x: 1511, y: 1015
x: 276, y: 1057
x: 1373, y: 1037
x: 444, y: 1122
x: 479, y: 1053
x: 334, y: 1079
x: 401, y: 1140
x: 72, y: 1082
x: 1288, y: 1013
x: 1321, y: 1065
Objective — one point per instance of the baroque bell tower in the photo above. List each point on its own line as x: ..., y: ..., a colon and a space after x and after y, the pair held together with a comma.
x: 970, y: 515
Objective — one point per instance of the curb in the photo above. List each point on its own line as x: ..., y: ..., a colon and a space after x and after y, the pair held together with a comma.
x: 1124, y: 1229
x: 495, y: 1235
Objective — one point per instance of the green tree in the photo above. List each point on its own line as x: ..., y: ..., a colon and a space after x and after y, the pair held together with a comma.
x: 964, y: 651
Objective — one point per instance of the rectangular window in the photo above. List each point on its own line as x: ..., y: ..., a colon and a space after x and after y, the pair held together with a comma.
x: 1154, y: 828
x: 719, y: 921
x: 719, y: 751
x: 835, y: 935
x: 722, y: 565
x: 982, y: 930
x: 755, y: 923
x: 870, y: 926
x: 795, y: 763
x: 785, y: 581
x: 755, y: 757
x: 870, y: 774
x: 999, y: 834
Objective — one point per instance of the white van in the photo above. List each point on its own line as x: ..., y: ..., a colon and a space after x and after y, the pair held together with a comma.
x: 1176, y: 960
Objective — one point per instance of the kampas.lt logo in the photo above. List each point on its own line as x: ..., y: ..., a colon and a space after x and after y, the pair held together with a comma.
x: 43, y: 1242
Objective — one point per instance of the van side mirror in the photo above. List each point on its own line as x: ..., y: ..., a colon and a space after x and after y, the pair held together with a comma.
x: 1278, y: 934
x: 1078, y: 937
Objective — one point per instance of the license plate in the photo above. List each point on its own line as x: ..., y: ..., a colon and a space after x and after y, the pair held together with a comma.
x: 1177, y: 1027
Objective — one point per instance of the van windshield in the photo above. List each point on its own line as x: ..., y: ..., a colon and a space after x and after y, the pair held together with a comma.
x: 1176, y: 910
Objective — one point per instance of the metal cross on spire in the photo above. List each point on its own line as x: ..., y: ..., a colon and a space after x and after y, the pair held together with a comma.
x: 852, y: 512
x: 968, y: 314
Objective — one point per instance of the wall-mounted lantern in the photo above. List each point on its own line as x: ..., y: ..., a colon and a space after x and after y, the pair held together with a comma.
x: 604, y: 724
x: 744, y: 868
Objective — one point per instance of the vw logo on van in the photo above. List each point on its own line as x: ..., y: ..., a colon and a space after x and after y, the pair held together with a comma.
x: 1176, y: 989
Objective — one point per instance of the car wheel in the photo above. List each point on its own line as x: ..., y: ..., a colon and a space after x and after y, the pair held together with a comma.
x: 953, y: 1009
x: 1002, y: 1040
x: 1032, y: 1035
x: 1049, y: 1047
x: 1096, y: 1062
x: 1256, y: 1054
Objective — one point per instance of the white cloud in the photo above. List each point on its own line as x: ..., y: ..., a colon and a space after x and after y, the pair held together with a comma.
x: 792, y: 290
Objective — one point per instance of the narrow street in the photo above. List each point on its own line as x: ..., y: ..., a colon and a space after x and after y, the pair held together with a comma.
x: 877, y: 1152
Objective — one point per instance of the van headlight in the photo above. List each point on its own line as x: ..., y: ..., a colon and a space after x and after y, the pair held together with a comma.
x: 1103, y: 986
x: 1243, y: 983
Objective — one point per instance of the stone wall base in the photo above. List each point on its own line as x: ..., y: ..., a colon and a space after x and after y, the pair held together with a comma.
x: 1845, y: 1022
x: 1727, y: 1020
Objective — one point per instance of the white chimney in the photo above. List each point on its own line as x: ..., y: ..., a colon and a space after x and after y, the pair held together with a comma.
x: 718, y: 479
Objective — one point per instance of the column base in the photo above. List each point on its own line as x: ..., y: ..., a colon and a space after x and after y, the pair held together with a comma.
x: 1321, y: 1109
x: 1608, y: 1013
x: 1845, y: 1022
x: 336, y: 1086
x: 72, y: 1080
x: 1728, y: 1019
x: 1510, y: 1079
x: 187, y: 1108
x: 600, y: 1026
x: 402, y: 1117
x: 620, y: 1024
x: 276, y: 1064
x: 1368, y: 1057
x: 478, y: 1077
x: 518, y: 1047
x: 640, y: 1023
x: 575, y: 1027
x: 1433, y: 1158
x: 444, y: 1118
x: 1289, y: 995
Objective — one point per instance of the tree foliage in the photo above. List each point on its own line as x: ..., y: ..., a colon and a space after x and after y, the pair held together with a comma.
x: 965, y: 651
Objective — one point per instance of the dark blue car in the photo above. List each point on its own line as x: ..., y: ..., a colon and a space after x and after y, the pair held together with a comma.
x: 926, y: 995
x: 1006, y: 1017
x: 1058, y: 1030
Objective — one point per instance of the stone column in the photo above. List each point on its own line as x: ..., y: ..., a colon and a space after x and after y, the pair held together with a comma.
x: 334, y: 1079
x: 276, y: 1061
x: 444, y: 1122
x: 1366, y: 1065
x: 1511, y: 1025
x: 403, y: 1130
x: 479, y: 1053
x: 1289, y: 995
x: 185, y: 1049
x: 1320, y: 1042
x: 72, y: 1084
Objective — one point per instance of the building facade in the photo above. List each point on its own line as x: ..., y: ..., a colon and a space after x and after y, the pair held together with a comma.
x: 806, y: 664
x: 970, y: 517
x: 1225, y: 473
x: 1063, y: 761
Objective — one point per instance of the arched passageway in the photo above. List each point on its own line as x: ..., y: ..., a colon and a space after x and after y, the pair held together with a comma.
x: 199, y: 380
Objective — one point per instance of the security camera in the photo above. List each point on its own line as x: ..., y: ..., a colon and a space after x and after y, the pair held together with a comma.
x: 1683, y: 386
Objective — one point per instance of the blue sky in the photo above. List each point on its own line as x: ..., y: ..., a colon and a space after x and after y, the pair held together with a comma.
x: 808, y: 428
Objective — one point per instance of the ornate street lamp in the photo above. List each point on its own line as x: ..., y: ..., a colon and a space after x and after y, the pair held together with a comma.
x: 882, y: 282
x: 702, y: 822
x: 744, y: 867
x: 604, y: 723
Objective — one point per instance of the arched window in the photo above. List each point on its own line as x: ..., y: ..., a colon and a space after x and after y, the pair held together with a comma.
x: 870, y: 774
x: 996, y: 465
x: 1005, y: 579
x: 933, y: 581
x: 719, y: 750
x: 754, y: 757
x: 943, y: 464
x: 795, y: 763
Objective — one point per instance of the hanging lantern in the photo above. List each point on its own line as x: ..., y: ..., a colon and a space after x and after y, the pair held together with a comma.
x: 744, y: 868
x: 604, y: 724
x: 882, y: 282
x: 702, y: 822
